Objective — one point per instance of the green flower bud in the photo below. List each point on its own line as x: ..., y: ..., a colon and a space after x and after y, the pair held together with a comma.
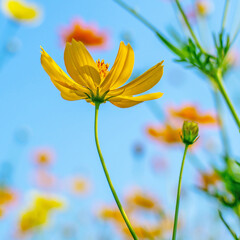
x: 189, y: 133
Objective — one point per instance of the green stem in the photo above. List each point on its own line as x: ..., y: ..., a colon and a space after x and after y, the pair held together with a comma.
x: 225, y: 15
x: 227, y: 226
x: 149, y: 26
x: 188, y: 25
x: 108, y: 177
x: 223, y: 133
x: 221, y: 87
x: 235, y: 35
x: 178, y: 195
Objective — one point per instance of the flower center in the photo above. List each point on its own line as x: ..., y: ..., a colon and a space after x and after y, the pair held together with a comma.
x: 102, y: 68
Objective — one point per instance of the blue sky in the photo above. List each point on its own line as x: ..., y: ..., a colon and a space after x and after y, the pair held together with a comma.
x: 29, y: 100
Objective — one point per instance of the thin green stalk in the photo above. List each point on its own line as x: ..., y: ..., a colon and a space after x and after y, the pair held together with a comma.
x: 227, y: 226
x: 178, y: 195
x: 188, y: 25
x: 223, y: 133
x: 150, y: 26
x: 235, y: 35
x: 225, y: 15
x: 108, y: 177
x: 221, y: 87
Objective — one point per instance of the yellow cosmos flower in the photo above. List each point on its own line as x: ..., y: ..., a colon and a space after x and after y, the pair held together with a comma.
x: 21, y: 11
x: 93, y: 81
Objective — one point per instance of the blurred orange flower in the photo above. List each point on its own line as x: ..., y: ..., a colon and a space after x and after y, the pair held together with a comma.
x: 143, y: 200
x: 192, y: 113
x: 148, y: 231
x: 88, y: 34
x: 110, y: 214
x: 44, y: 156
x: 208, y: 179
x: 165, y: 134
x: 156, y: 223
x: 6, y: 196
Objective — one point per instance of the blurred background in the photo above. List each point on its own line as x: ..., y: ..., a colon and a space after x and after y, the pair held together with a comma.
x: 52, y: 182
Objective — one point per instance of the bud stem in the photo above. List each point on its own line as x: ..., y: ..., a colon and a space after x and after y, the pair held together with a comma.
x: 178, y: 194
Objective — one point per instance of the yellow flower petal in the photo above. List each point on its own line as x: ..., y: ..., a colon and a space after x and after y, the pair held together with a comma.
x: 115, y: 93
x: 66, y: 93
x: 126, y: 101
x: 80, y: 65
x: 68, y: 88
x: 72, y: 69
x: 121, y: 69
x: 144, y: 82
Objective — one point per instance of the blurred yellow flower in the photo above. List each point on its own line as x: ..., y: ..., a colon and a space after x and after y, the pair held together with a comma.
x: 204, y: 7
x: 32, y: 219
x: 21, y: 11
x: 48, y: 203
x: 192, y: 113
x: 165, y: 134
x: 80, y: 185
x: 37, y: 215
x: 93, y: 81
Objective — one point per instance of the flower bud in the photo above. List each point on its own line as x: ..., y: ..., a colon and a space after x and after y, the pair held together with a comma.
x: 189, y: 133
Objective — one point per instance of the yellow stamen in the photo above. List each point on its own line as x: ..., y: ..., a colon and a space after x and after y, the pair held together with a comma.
x: 102, y: 68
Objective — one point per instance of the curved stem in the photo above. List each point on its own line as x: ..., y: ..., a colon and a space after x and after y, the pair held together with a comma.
x: 178, y: 195
x: 221, y: 87
x: 108, y: 177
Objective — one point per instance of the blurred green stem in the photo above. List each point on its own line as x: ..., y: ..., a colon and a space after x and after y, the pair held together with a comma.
x: 225, y: 15
x: 178, y: 195
x: 227, y: 226
x: 108, y: 177
x: 219, y: 82
x: 150, y: 26
x: 223, y: 132
x: 188, y: 25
